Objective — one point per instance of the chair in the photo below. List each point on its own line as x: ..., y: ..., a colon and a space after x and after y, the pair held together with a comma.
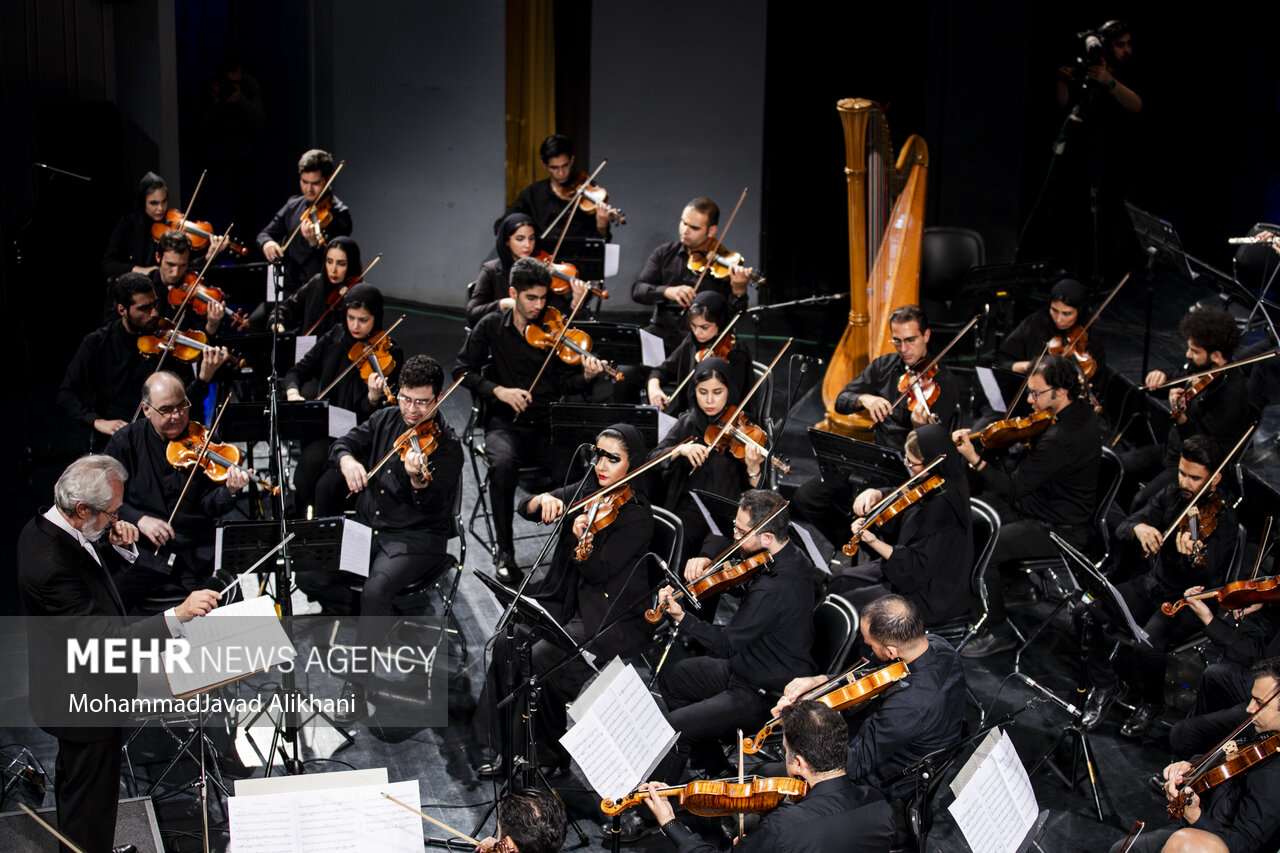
x: 835, y: 628
x: 762, y: 407
x: 473, y: 441
x: 668, y: 536
x: 946, y: 256
x: 986, y: 530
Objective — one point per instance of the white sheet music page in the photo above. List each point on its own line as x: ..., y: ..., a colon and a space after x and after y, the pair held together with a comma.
x: 357, y: 545
x: 231, y: 642
x: 994, y: 806
x: 652, y: 351
x: 339, y: 820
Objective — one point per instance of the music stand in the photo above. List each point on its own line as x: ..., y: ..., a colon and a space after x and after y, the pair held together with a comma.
x: 305, y: 421
x: 316, y: 546
x: 255, y: 348
x: 722, y: 510
x: 616, y: 343
x: 531, y: 613
x: 1009, y: 383
x: 573, y: 424
x: 999, y: 289
x: 842, y: 459
x: 585, y: 253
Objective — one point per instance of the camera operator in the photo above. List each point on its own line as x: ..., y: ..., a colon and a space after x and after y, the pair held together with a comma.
x: 1109, y: 52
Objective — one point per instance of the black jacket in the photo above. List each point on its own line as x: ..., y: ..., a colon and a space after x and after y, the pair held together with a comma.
x: 302, y: 260
x: 667, y: 267
x: 880, y: 378
x: 1172, y: 572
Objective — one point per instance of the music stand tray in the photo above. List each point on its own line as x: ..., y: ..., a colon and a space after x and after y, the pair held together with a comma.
x: 1098, y: 592
x: 616, y: 343
x: 1160, y: 235
x: 316, y: 546
x: 579, y: 423
x: 300, y: 420
x: 255, y: 349
x: 529, y: 612
x: 842, y: 459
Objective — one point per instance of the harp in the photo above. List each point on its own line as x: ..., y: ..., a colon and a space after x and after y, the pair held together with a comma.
x: 886, y: 225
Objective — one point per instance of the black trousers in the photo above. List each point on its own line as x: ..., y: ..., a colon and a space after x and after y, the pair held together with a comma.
x: 1220, y: 706
x: 507, y: 446
x: 827, y: 506
x: 313, y: 462
x: 1022, y: 539
x: 86, y: 787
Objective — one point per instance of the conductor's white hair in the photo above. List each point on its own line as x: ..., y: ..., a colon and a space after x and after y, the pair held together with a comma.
x: 88, y: 479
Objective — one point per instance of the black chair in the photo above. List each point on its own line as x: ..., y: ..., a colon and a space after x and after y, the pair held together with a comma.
x: 668, y: 536
x: 835, y: 629
x: 762, y: 407
x: 986, y: 530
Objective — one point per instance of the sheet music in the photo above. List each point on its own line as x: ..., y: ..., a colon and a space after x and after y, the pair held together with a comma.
x: 1128, y: 616
x: 991, y: 388
x: 231, y: 642
x: 357, y: 545
x: 995, y: 806
x: 612, y: 257
x: 810, y: 547
x: 653, y: 351
x: 302, y: 345
x: 665, y: 423
x: 706, y: 515
x: 359, y: 820
x: 341, y: 421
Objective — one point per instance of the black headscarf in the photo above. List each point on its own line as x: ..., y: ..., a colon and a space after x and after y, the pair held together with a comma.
x: 637, y: 450
x: 352, y: 249
x: 371, y: 298
x: 150, y: 183
x: 1071, y: 292
x: 717, y: 307
x: 935, y: 441
x: 720, y: 366
x: 505, y: 230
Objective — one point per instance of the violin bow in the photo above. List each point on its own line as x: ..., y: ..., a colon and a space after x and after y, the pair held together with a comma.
x: 204, y: 448
x: 1013, y: 402
x: 311, y: 207
x: 429, y: 819
x: 720, y: 240
x: 694, y: 369
x: 1134, y: 832
x: 551, y: 352
x: 343, y: 289
x: 1211, y: 756
x: 936, y: 358
x: 742, y: 407
x: 1112, y: 295
x: 737, y: 543
x: 571, y: 207
x: 431, y: 413
x: 1241, y: 363
x: 1204, y: 487
x: 191, y: 202
x: 371, y: 344
x: 631, y: 475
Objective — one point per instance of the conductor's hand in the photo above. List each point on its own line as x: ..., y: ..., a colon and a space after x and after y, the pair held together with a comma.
x: 695, y: 568
x: 865, y: 500
x: 1148, y: 537
x: 517, y: 398
x: 354, y: 473
x: 122, y: 533
x: 1154, y: 380
x: 662, y: 810
x: 667, y: 595
x: 877, y: 407
x: 198, y: 603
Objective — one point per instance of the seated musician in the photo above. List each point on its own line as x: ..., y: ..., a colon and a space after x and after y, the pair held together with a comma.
x: 530, y: 820
x: 409, y: 505
x: 933, y: 538
x: 132, y: 248
x: 300, y: 311
x: 666, y: 282
x: 923, y: 713
x: 1052, y: 487
x: 543, y: 200
x: 708, y: 317
x: 173, y: 256
x: 1220, y: 410
x: 181, y: 554
x: 500, y: 365
x: 697, y: 466
x: 1239, y: 814
x: 104, y: 379
x: 826, y: 504
x: 1173, y: 570
x: 516, y: 240
x: 750, y: 659
x: 600, y: 598
x: 1068, y: 299
x: 833, y: 812
x: 324, y: 363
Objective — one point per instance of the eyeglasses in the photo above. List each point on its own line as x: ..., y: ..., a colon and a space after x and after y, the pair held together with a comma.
x: 738, y: 532
x: 904, y: 342
x: 114, y: 516
x: 1033, y: 396
x: 170, y: 411
x: 912, y: 463
x: 411, y: 403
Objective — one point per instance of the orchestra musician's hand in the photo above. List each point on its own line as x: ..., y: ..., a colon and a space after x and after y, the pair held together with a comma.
x: 877, y: 407
x: 122, y: 533
x: 310, y: 231
x: 865, y: 500
x: 506, y: 303
x: 108, y: 427
x: 198, y: 603
x: 964, y: 445
x: 1175, y: 394
x: 738, y: 279
x: 860, y: 529
x: 1154, y: 380
x: 354, y: 473
x: 213, y: 319
x: 376, y: 383
x: 591, y: 367
x: 696, y: 453
x: 1186, y: 547
x: 415, y: 465
x: 662, y: 810
x: 667, y: 595
x: 755, y: 462
x: 293, y: 395
x: 1197, y: 606
x: 603, y: 214
x: 145, y: 270
x: 920, y: 414
x: 517, y: 398
x: 656, y: 395
x: 216, y: 244
x: 681, y: 294
x: 237, y: 479
x: 580, y: 291
x: 271, y: 251
x: 1175, y: 774
x: 1020, y: 366
x: 1148, y: 537
x: 549, y: 506
x: 796, y: 688
x: 211, y: 360
x: 695, y: 568
x: 157, y: 530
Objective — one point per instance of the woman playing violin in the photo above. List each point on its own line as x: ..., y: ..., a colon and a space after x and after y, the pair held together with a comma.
x: 363, y: 314
x: 516, y: 240
x: 585, y: 595
x: 933, y: 538
x: 1068, y: 299
x: 131, y: 247
x: 302, y: 309
x: 708, y: 317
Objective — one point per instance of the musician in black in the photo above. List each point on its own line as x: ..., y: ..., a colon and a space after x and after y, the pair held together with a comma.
x: 1172, y: 569
x: 932, y: 538
x: 500, y: 365
x: 833, y: 812
x: 131, y: 247
x: 516, y: 240
x: 542, y: 201
x: 408, y: 502
x: 1068, y: 300
x: 666, y: 282
x: 173, y: 260
x: 708, y: 317
x: 1052, y: 487
x: 530, y: 820
x: 1220, y: 410
x: 301, y: 311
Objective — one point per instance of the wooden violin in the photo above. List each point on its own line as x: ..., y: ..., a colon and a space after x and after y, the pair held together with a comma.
x: 717, y: 580
x: 853, y: 693
x: 201, y: 296
x: 1073, y: 343
x: 215, y: 460
x: 1200, y: 522
x: 198, y: 232
x: 920, y: 387
x: 564, y: 275
x: 592, y: 195
x: 710, y: 798
x: 1179, y: 407
x: 1009, y: 431
x: 721, y: 262
x: 740, y: 433
x: 1234, y: 596
x: 600, y: 514
x: 374, y: 358
x: 570, y: 344
x: 185, y: 346
x: 906, y: 499
x: 1230, y: 765
x: 719, y: 348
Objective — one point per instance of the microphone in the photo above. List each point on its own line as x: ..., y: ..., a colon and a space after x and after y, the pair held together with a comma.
x: 597, y: 454
x: 1049, y: 694
x: 677, y: 582
x: 811, y: 359
x: 63, y: 172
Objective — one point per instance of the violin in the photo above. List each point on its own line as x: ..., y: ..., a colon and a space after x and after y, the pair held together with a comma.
x: 1231, y: 765
x: 721, y: 263
x: 198, y: 232
x: 202, y: 297
x: 374, y: 358
x: 571, y: 347
x: 600, y: 514
x: 1009, y: 431
x: 320, y: 214
x: 920, y: 387
x: 217, y: 459
x: 717, y: 581
x: 419, y: 438
x: 185, y: 346
x: 593, y: 195
x: 1200, y: 523
x: 741, y: 433
x: 909, y: 497
x: 1074, y: 343
x: 843, y: 698
x: 716, y: 798
x: 1234, y: 596
x: 720, y: 349
x: 564, y: 275
x: 1179, y: 407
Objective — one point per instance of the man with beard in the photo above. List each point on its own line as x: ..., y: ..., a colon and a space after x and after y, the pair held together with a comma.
x: 543, y: 200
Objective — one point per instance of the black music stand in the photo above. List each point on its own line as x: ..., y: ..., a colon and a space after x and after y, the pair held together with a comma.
x: 1001, y: 292
x: 722, y: 510
x: 305, y: 420
x: 1009, y: 383
x: 255, y: 348
x: 573, y: 424
x: 616, y: 343
x: 842, y: 459
x: 585, y: 253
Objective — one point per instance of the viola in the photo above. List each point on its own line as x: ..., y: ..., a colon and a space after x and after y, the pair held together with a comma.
x: 741, y: 434
x: 198, y: 232
x: 600, y: 514
x: 720, y: 349
x: 217, y: 459
x: 374, y: 358
x: 1230, y: 766
x: 718, y: 580
x: 716, y: 798
x: 721, y: 263
x: 1179, y: 407
x: 843, y: 698
x: 920, y: 386
x: 185, y: 346
x: 1234, y: 596
x: 571, y: 346
x: 1009, y: 431
x: 1074, y: 343
x: 202, y: 297
x: 564, y: 275
x: 909, y: 497
x: 592, y: 196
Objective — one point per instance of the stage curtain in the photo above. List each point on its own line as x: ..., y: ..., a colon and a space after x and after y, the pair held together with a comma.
x: 531, y: 79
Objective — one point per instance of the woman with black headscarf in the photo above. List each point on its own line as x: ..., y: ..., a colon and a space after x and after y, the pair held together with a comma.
x: 362, y: 314
x: 1068, y: 305
x: 300, y: 310
x: 708, y: 317
x: 516, y: 239
x: 931, y: 560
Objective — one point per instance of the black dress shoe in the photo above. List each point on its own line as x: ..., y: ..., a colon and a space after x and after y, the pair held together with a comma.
x: 1142, y: 718
x: 124, y: 848
x: 1021, y: 595
x: 491, y: 769
x: 986, y: 643
x: 1098, y: 704
x: 352, y: 706
x: 634, y: 828
x: 506, y: 570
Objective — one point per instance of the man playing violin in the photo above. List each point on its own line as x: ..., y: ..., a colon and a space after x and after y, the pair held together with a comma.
x: 530, y: 820
x: 833, y: 812
x: 1239, y: 814
x: 181, y: 552
x: 667, y: 283
x: 173, y: 255
x: 106, y: 375
x: 1220, y: 410
x: 1174, y: 567
x: 408, y: 503
x: 543, y: 200
x: 500, y: 366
